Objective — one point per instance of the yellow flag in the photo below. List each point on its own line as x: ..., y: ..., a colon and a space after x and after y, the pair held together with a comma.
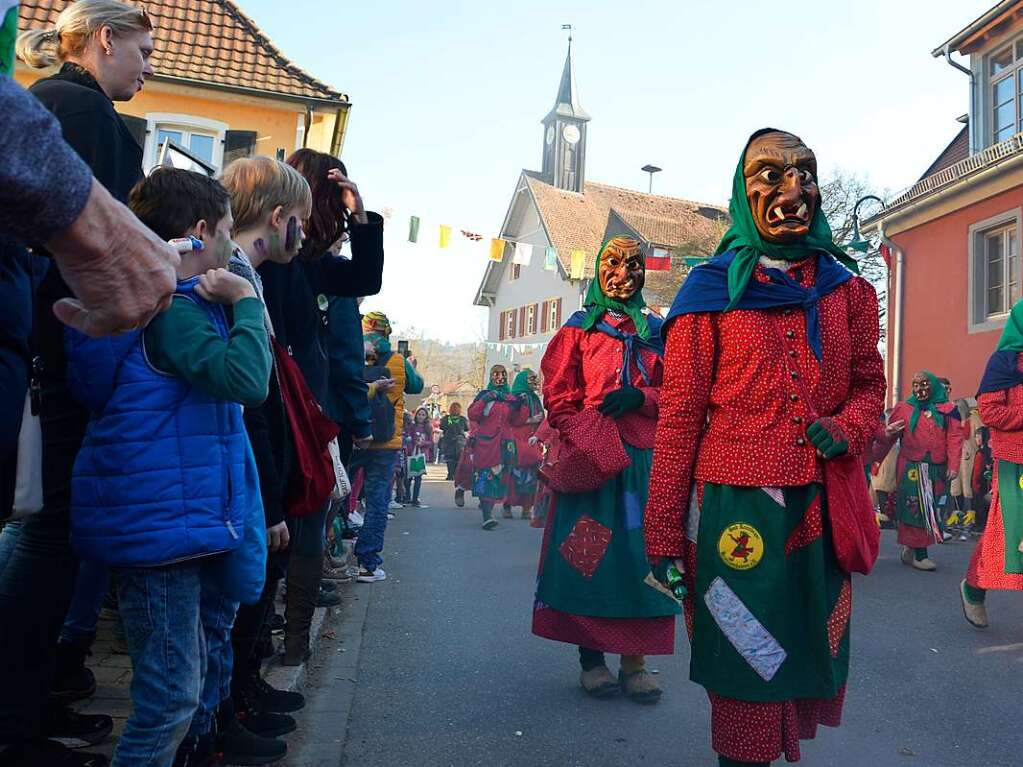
x: 445, y: 236
x: 578, y: 264
x: 497, y: 250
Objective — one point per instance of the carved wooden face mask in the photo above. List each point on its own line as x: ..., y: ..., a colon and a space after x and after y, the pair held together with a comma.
x: 622, y: 270
x: 922, y: 387
x: 781, y: 186
x: 498, y: 375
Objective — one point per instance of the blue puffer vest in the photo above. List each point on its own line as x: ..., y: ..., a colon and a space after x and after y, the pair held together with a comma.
x: 164, y: 473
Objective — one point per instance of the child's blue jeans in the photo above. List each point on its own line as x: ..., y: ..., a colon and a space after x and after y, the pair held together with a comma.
x: 177, y: 626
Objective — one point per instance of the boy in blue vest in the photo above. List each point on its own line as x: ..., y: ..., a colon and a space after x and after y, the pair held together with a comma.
x: 165, y: 489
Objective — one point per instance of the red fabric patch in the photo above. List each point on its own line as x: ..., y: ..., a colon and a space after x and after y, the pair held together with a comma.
x: 584, y: 547
x: 808, y: 530
x: 839, y: 619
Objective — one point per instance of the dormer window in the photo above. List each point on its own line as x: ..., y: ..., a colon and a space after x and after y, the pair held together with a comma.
x: 1004, y: 71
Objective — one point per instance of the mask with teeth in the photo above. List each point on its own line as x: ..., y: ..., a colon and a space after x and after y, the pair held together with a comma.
x: 622, y: 269
x: 781, y: 187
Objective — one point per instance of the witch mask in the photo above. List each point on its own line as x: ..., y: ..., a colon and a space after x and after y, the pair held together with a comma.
x: 622, y: 269
x: 781, y: 186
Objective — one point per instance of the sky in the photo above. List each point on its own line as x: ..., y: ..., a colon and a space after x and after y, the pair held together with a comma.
x: 448, y: 97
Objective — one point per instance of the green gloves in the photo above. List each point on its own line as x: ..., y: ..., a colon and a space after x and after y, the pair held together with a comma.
x: 829, y: 439
x: 621, y: 401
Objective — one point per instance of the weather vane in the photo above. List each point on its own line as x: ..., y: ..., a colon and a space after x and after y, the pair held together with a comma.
x: 570, y: 28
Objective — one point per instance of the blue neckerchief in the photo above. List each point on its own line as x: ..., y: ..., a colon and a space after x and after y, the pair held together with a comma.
x: 1001, y: 372
x: 632, y: 344
x: 706, y: 290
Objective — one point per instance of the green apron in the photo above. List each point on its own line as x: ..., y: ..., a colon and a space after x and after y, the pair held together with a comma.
x: 1010, y: 495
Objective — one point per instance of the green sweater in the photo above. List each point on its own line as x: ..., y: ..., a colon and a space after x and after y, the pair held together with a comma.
x: 183, y: 342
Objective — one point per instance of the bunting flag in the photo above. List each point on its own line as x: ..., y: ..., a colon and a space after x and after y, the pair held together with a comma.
x: 445, y: 235
x: 578, y: 264
x: 550, y: 262
x: 472, y: 236
x: 413, y: 229
x: 659, y: 260
x: 497, y: 250
x: 523, y: 254
x: 8, y: 34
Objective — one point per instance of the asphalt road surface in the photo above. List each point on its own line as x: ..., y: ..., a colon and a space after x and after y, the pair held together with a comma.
x: 449, y: 673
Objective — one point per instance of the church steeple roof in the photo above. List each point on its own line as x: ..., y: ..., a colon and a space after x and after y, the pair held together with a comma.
x: 567, y: 102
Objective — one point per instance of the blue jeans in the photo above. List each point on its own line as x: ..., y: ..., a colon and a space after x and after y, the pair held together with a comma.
x: 379, y: 471
x: 177, y: 626
x: 90, y: 589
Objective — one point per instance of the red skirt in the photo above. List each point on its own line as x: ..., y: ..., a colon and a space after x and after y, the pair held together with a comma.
x: 622, y: 636
x: 463, y: 472
x: 987, y: 566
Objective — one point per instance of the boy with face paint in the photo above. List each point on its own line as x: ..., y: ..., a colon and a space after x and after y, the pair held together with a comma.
x: 604, y: 368
x: 929, y: 432
x: 494, y: 414
x: 771, y: 370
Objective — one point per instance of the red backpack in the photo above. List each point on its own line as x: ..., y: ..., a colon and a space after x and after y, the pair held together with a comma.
x: 312, y: 474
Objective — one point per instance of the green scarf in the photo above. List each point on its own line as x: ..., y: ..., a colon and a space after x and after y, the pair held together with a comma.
x: 1012, y: 335
x: 743, y: 237
x: 938, y: 397
x: 522, y: 388
x: 597, y: 303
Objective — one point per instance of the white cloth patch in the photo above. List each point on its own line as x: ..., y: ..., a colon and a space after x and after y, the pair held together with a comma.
x: 775, y: 494
x: 693, y: 522
x: 748, y: 636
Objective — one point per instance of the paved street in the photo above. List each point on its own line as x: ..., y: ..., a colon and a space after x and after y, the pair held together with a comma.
x: 449, y: 673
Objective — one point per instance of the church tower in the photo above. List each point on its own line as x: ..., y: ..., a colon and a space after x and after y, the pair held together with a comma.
x: 564, y: 151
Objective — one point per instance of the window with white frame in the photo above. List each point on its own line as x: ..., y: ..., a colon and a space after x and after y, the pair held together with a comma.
x: 1005, y: 74
x: 199, y: 135
x: 994, y: 269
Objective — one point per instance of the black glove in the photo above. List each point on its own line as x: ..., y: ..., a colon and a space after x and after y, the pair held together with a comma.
x: 621, y: 401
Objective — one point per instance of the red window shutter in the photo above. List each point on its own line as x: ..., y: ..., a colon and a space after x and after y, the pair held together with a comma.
x: 557, y: 322
x: 536, y: 318
x: 545, y: 316
x: 500, y: 330
x: 522, y: 321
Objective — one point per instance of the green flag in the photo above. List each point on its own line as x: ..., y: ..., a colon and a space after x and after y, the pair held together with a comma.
x: 413, y: 229
x: 8, y: 34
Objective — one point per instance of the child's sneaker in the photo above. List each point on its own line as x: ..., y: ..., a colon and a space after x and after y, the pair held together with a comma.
x: 365, y: 576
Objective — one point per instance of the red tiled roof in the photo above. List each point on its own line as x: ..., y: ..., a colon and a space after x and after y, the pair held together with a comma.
x: 578, y: 221
x: 958, y: 150
x: 209, y: 42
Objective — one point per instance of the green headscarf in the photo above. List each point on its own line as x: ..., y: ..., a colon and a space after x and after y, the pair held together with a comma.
x: 938, y: 397
x: 744, y: 237
x: 597, y: 303
x: 522, y: 387
x: 1012, y: 335
x: 503, y: 388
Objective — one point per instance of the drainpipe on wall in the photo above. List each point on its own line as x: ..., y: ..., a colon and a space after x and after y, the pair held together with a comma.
x: 972, y: 127
x: 896, y: 332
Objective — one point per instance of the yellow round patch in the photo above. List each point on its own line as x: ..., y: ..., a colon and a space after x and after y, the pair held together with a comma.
x: 1021, y: 483
x: 741, y: 546
x: 913, y: 475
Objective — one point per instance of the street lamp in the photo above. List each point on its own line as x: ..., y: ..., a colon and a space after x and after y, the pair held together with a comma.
x: 856, y: 243
x: 651, y: 169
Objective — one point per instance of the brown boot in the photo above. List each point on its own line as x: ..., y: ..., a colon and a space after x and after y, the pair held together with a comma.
x: 636, y: 682
x: 599, y: 682
x: 304, y: 575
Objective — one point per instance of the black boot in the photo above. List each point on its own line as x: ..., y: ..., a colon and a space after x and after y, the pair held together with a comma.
x: 48, y: 753
x: 237, y: 745
x: 61, y: 723
x: 196, y: 751
x: 303, y: 582
x: 71, y: 679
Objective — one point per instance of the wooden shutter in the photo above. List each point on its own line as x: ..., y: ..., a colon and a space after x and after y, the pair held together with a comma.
x: 545, y: 316
x: 237, y: 144
x: 557, y: 321
x: 500, y: 329
x: 536, y: 317
x: 512, y: 317
x: 137, y: 128
x: 523, y: 330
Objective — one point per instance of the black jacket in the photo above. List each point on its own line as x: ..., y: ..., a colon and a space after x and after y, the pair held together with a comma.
x: 292, y: 295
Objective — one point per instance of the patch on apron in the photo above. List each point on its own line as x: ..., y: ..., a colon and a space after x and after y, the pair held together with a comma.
x: 740, y: 546
x: 584, y: 547
x: 775, y: 494
x: 633, y: 511
x: 747, y: 635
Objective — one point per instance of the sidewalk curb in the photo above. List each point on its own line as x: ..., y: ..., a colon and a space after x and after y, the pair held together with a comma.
x: 329, y: 681
x: 293, y: 677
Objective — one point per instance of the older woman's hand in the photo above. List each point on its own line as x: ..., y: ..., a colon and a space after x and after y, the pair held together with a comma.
x: 121, y: 273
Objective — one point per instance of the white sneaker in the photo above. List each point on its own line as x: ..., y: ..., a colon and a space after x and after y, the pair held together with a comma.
x: 365, y: 576
x: 395, y: 505
x: 355, y: 519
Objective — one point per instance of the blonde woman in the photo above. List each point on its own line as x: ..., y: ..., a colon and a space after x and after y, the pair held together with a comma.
x: 103, y: 49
